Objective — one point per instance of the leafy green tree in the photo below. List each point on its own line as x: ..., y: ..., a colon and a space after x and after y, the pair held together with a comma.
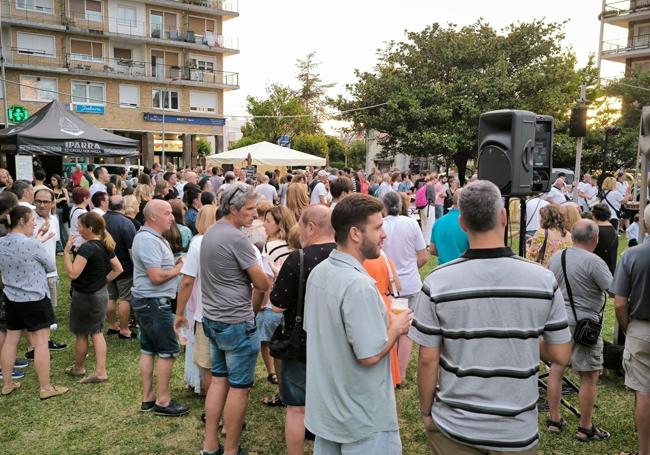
x: 203, y: 147
x: 243, y: 142
x: 357, y: 154
x: 312, y: 89
x: 314, y: 144
x: 438, y: 82
x: 336, y: 149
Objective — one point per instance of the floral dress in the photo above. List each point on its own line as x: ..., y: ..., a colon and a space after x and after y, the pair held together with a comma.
x: 555, y: 242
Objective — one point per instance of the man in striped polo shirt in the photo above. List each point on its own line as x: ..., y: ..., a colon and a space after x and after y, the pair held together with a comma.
x: 479, y: 318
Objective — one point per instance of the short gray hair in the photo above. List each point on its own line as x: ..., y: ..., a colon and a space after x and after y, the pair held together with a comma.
x: 236, y: 195
x: 646, y: 218
x: 584, y: 231
x: 392, y: 203
x: 480, y: 204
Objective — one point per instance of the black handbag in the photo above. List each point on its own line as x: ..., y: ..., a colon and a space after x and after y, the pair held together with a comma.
x: 291, y: 345
x: 587, y: 331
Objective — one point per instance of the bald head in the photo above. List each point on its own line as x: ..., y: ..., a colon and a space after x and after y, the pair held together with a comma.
x: 316, y: 225
x: 158, y: 215
x: 116, y: 204
x: 585, y: 234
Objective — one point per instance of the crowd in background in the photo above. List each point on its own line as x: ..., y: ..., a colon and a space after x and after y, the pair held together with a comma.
x: 229, y: 266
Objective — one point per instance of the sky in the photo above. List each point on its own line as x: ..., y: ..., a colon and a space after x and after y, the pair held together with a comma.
x: 345, y: 34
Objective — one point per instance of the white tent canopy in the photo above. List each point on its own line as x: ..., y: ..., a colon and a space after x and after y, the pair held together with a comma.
x: 266, y: 154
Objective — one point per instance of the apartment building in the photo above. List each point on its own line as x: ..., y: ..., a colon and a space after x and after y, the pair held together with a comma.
x: 630, y: 19
x: 152, y: 70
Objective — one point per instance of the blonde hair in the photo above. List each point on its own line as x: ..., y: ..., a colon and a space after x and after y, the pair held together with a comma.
x: 570, y: 214
x: 297, y: 198
x: 207, y: 217
x: 284, y: 218
x: 131, y: 206
x: 293, y: 237
x: 263, y: 206
x: 609, y: 184
x: 143, y: 193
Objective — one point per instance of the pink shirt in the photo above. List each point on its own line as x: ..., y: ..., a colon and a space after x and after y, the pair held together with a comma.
x: 439, y: 188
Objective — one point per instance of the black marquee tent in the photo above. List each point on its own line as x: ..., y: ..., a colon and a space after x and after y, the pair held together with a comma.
x: 54, y: 130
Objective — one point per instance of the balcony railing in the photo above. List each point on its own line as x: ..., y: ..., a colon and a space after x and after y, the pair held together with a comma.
x: 24, y: 11
x: 224, y: 5
x: 635, y: 43
x: 618, y: 7
x: 88, y: 64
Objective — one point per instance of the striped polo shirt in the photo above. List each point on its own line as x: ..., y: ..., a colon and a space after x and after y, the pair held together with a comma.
x: 486, y: 312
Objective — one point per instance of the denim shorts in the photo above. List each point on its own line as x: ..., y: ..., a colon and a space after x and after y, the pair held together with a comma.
x: 293, y: 375
x: 234, y: 351
x: 156, y: 320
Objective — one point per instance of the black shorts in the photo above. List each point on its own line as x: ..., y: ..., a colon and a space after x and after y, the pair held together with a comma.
x: 3, y: 319
x: 30, y: 316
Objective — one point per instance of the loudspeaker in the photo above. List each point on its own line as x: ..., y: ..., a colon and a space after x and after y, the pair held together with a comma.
x: 578, y: 122
x: 506, y: 141
x: 543, y: 154
x: 644, y: 135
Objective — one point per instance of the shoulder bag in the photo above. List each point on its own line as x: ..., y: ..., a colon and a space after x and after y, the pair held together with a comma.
x: 618, y: 212
x: 291, y: 345
x: 587, y: 331
x: 392, y: 291
x: 542, y: 251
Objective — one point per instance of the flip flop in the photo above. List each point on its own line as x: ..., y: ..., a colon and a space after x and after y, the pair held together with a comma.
x: 8, y: 390
x: 272, y: 378
x: 93, y: 379
x: 70, y: 371
x: 273, y: 400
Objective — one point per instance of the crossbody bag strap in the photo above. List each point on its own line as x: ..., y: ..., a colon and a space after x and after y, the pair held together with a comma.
x: 542, y: 250
x: 568, y: 286
x: 391, y: 277
x: 609, y: 203
x: 301, y: 291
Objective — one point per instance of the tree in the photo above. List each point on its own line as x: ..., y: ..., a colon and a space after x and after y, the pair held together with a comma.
x: 437, y: 83
x: 357, y: 154
x: 312, y: 89
x: 314, y: 144
x: 243, y: 142
x: 336, y: 149
x: 203, y: 147
x: 268, y: 123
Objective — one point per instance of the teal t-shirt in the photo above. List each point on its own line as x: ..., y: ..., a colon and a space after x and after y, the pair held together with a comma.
x: 450, y: 239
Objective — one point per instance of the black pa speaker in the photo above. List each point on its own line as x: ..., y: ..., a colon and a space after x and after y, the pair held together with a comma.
x: 644, y: 134
x: 578, y: 122
x: 506, y: 141
x: 543, y: 154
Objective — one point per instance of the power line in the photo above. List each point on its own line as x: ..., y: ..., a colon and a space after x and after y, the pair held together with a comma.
x: 89, y: 99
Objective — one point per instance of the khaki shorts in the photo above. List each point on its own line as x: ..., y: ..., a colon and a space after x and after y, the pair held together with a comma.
x: 120, y: 289
x: 202, y: 356
x: 586, y: 358
x: 441, y: 444
x: 636, y: 356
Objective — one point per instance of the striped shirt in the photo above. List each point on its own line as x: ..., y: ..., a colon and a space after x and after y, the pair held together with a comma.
x: 486, y: 311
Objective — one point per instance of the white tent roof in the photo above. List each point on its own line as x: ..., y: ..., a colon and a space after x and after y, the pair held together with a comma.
x: 267, y: 154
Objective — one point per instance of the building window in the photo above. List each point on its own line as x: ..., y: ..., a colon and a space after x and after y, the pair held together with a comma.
x: 33, y: 44
x: 129, y: 95
x: 42, y: 6
x: 202, y: 63
x: 88, y: 51
x: 163, y: 25
x: 84, y: 92
x: 123, y: 54
x: 126, y: 15
x: 203, y: 102
x: 165, y: 99
x: 200, y: 25
x: 94, y: 11
x: 33, y: 88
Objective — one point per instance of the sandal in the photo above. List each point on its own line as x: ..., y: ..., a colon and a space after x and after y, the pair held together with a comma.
x: 71, y: 371
x: 555, y: 426
x: 272, y: 378
x: 7, y: 390
x: 593, y: 434
x: 93, y: 379
x: 273, y: 400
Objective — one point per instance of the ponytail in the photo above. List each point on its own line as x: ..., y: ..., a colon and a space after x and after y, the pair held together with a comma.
x: 97, y: 225
x: 107, y: 240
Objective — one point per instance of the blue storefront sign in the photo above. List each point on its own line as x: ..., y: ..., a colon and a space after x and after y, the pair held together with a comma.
x: 88, y: 109
x: 151, y: 117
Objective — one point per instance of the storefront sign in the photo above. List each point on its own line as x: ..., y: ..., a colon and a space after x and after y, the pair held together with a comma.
x: 88, y: 109
x: 151, y: 117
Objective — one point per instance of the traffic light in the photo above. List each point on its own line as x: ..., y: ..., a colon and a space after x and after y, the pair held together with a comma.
x: 506, y: 144
x: 578, y: 122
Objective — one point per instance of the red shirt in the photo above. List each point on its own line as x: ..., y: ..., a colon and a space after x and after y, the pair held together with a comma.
x: 76, y: 177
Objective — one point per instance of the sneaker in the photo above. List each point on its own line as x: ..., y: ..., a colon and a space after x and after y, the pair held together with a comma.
x: 219, y: 451
x: 16, y: 374
x: 147, y: 406
x: 54, y: 392
x: 29, y: 355
x: 21, y: 363
x: 173, y: 409
x: 54, y: 346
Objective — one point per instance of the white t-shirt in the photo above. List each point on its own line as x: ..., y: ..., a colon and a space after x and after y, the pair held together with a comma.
x: 267, y: 191
x: 318, y: 192
x: 75, y: 213
x: 632, y: 232
x: 613, y: 199
x: 555, y: 196
x: 403, y: 240
x: 191, y: 268
x: 533, y: 207
x: 96, y: 186
x: 99, y: 211
x: 50, y: 245
x: 589, y: 190
x: 621, y: 187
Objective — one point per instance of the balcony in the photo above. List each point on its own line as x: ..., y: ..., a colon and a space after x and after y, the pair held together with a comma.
x: 621, y: 50
x: 622, y: 12
x: 119, y: 68
x: 225, y: 8
x: 25, y: 12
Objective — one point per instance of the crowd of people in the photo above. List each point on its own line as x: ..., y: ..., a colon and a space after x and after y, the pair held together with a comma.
x: 318, y: 273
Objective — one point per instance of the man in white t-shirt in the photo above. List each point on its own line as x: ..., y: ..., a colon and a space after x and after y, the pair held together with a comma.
x: 102, y: 177
x: 533, y: 207
x: 43, y: 200
x: 556, y: 194
x: 587, y: 191
x: 621, y: 184
x: 320, y: 193
x: 266, y: 190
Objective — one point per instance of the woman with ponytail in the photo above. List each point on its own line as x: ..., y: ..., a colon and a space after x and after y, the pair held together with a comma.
x: 94, y: 266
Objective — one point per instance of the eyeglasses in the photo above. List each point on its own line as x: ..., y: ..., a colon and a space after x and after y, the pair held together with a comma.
x: 37, y: 202
x: 233, y: 195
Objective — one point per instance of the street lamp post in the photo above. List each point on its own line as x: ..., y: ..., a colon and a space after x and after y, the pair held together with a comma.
x: 165, y: 93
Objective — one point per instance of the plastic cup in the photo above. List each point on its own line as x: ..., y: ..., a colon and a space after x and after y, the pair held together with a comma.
x: 399, y: 305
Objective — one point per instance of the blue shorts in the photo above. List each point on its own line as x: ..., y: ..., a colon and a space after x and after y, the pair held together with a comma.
x: 234, y: 351
x: 293, y: 376
x: 267, y: 321
x: 156, y: 320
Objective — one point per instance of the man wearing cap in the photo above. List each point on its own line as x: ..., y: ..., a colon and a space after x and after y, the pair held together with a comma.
x: 556, y: 195
x: 320, y: 193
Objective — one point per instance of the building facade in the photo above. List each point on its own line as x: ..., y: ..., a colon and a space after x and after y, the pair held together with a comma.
x: 631, y: 18
x: 152, y: 70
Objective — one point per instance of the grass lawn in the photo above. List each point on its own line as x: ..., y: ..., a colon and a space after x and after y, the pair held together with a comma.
x: 104, y: 418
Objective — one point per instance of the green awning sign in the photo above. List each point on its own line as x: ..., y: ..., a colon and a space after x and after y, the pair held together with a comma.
x: 18, y: 114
